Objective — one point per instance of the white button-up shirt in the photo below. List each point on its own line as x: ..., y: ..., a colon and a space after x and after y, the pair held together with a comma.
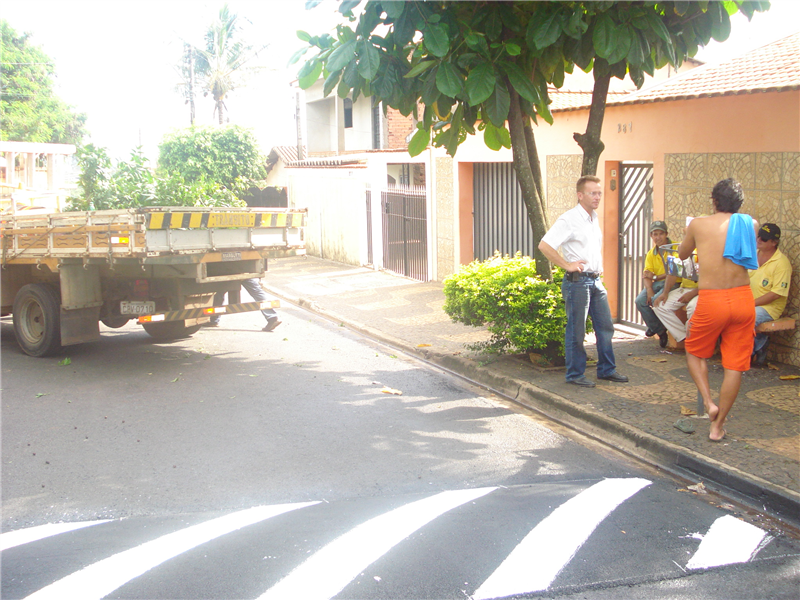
x: 579, y: 235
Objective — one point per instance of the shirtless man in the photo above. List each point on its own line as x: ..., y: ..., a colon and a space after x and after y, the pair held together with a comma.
x: 725, y: 306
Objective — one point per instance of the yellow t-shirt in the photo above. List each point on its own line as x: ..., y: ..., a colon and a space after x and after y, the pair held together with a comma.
x: 653, y: 262
x: 775, y: 275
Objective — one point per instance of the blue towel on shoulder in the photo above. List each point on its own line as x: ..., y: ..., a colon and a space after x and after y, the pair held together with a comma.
x: 740, y: 244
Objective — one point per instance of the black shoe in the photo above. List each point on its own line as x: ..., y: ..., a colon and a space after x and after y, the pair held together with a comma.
x: 582, y: 382
x: 272, y: 324
x: 212, y: 324
x: 663, y: 338
x: 649, y: 333
x: 759, y: 359
x: 615, y: 377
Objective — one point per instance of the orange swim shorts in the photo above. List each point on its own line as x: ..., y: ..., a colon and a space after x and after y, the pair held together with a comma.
x: 729, y: 314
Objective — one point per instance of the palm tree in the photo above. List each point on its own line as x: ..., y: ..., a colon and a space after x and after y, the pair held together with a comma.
x: 220, y: 66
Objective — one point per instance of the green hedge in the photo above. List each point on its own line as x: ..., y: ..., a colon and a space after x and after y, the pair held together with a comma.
x: 523, y: 312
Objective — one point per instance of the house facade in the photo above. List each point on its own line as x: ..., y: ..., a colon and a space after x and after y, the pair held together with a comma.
x: 665, y: 148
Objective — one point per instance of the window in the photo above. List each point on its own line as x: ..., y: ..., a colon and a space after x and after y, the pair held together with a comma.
x: 348, y: 113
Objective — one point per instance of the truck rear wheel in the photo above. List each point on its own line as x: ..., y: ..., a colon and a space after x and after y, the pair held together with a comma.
x: 37, y: 319
x: 170, y: 330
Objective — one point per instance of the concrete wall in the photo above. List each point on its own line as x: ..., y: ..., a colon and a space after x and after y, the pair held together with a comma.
x: 336, y: 203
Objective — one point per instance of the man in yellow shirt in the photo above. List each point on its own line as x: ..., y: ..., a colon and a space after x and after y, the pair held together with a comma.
x: 654, y: 277
x: 770, y: 285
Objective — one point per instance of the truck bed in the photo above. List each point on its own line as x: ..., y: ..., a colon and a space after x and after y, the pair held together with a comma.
x: 151, y: 235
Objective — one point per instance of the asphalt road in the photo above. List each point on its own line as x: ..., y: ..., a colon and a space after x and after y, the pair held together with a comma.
x: 238, y: 463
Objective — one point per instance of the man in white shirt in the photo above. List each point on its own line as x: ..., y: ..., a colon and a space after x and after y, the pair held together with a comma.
x: 578, y: 234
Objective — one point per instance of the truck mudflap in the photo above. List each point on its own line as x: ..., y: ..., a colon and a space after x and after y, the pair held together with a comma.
x: 198, y: 313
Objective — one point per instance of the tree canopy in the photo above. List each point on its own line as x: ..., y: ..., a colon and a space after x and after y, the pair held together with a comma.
x: 221, y: 65
x: 30, y: 110
x: 477, y: 66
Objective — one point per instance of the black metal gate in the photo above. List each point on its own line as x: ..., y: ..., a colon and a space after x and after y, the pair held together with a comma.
x: 636, y: 212
x: 405, y: 232
x: 500, y: 222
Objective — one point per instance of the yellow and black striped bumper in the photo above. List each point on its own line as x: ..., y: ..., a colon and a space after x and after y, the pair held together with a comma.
x: 204, y: 220
x: 196, y: 313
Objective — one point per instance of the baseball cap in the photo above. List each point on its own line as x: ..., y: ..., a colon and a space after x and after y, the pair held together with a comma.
x: 658, y: 225
x: 769, y: 231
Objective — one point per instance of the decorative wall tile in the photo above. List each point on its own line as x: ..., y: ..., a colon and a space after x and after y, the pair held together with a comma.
x: 769, y: 171
x: 791, y: 210
x: 765, y: 206
x: 791, y: 171
x: 742, y: 167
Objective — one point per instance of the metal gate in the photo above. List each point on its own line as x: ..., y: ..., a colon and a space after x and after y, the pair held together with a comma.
x: 500, y: 221
x: 636, y: 210
x: 405, y: 232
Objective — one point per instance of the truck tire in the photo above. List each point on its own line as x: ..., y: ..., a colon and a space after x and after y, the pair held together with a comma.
x: 37, y: 319
x: 114, y: 322
x: 170, y: 330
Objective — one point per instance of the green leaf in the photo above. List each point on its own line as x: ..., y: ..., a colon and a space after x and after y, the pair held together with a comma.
x: 420, y: 68
x: 419, y: 142
x: 512, y: 49
x: 436, y: 39
x: 498, y: 104
x: 491, y: 137
x: 477, y: 43
x: 341, y: 56
x: 393, y: 9
x: 311, y: 75
x: 545, y: 32
x: 657, y: 24
x: 369, y: 60
x: 347, y: 5
x: 721, y: 23
x: 520, y: 82
x: 494, y: 25
x: 636, y: 52
x: 330, y: 82
x: 730, y: 7
x: 622, y: 44
x: 448, y: 80
x: 480, y: 83
x: 65, y: 362
x: 604, y: 37
x: 303, y: 36
x: 296, y: 56
x: 681, y: 8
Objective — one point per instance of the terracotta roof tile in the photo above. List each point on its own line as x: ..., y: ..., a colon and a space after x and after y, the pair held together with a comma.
x: 773, y: 67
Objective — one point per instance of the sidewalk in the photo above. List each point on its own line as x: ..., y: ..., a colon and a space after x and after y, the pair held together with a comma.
x: 760, y: 457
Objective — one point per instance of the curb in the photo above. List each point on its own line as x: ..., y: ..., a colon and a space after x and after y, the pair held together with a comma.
x: 676, y: 460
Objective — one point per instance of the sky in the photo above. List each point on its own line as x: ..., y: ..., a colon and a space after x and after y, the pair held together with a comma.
x: 115, y: 60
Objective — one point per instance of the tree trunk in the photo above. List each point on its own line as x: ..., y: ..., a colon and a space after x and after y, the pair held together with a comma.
x: 590, y: 141
x: 529, y: 176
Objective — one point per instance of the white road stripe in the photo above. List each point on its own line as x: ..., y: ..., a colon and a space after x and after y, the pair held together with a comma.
x: 32, y: 534
x: 103, y: 577
x: 537, y: 560
x: 729, y: 540
x: 328, y: 571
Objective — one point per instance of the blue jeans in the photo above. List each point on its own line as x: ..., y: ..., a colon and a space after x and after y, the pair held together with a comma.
x: 648, y: 316
x: 762, y: 316
x: 587, y: 297
x: 253, y: 288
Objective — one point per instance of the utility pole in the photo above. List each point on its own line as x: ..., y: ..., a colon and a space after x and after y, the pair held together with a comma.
x: 299, y: 126
x: 190, y: 83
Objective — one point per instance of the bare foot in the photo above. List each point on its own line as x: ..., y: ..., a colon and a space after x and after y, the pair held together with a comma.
x: 717, y: 439
x: 712, y: 410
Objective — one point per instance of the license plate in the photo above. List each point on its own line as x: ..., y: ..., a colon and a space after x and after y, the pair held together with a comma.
x: 137, y: 307
x: 226, y: 256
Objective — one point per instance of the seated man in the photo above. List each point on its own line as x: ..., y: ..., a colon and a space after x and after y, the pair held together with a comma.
x: 668, y: 308
x: 770, y: 285
x: 654, y: 277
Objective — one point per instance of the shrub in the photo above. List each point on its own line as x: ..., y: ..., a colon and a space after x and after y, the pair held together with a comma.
x: 133, y: 184
x: 523, y: 312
